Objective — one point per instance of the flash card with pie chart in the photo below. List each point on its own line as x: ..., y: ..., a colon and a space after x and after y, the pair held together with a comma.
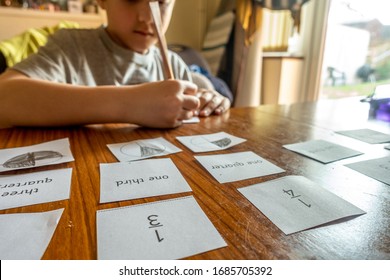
x: 142, y: 149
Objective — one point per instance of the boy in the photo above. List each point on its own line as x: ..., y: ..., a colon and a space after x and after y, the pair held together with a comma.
x: 104, y: 75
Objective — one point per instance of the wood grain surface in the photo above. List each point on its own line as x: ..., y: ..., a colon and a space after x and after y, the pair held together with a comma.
x: 248, y: 233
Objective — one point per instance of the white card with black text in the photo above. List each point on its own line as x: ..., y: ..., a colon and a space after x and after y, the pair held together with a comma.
x: 163, y: 230
x: 294, y: 203
x: 34, y: 188
x: 139, y: 179
x: 237, y: 166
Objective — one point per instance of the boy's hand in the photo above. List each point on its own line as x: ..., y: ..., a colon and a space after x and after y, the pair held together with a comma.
x: 164, y: 104
x: 212, y: 102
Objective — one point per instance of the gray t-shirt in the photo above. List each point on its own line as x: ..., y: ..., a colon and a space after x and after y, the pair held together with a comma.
x: 89, y: 57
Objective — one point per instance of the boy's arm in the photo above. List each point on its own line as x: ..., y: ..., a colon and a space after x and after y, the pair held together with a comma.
x: 28, y: 102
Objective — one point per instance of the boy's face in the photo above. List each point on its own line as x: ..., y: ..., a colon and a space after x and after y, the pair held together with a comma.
x: 130, y: 22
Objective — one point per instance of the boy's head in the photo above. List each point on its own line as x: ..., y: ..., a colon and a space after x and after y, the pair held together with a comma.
x: 130, y: 22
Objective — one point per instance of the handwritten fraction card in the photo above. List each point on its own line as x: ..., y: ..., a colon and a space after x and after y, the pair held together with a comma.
x: 26, y: 236
x: 168, y: 229
x: 366, y: 135
x: 210, y: 142
x: 322, y: 151
x: 129, y: 180
x: 34, y: 188
x: 379, y: 168
x: 53, y: 152
x: 237, y: 166
x: 142, y: 149
x: 294, y: 203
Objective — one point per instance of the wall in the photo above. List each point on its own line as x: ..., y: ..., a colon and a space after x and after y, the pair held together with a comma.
x: 281, y: 78
x: 190, y: 20
x: 14, y: 21
x: 188, y: 25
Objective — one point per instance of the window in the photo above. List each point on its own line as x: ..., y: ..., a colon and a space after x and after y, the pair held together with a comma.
x: 357, y: 48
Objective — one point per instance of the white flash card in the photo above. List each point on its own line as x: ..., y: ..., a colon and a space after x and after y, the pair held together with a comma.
x: 210, y: 142
x: 322, y: 151
x: 192, y: 120
x: 53, y: 152
x: 366, y: 135
x: 237, y: 166
x: 26, y: 236
x: 142, y: 149
x: 294, y: 203
x: 138, y: 179
x: 379, y: 168
x: 34, y: 188
x: 163, y: 230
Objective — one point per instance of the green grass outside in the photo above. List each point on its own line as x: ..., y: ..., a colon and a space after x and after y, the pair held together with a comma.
x: 363, y: 89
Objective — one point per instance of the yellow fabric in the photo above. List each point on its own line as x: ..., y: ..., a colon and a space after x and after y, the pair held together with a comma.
x: 277, y: 30
x: 21, y: 46
x: 250, y: 17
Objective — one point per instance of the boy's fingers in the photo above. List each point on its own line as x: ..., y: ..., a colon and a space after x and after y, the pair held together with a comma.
x: 223, y: 107
x: 189, y: 88
x: 190, y: 102
x: 211, y: 106
x: 205, y: 98
x: 186, y: 114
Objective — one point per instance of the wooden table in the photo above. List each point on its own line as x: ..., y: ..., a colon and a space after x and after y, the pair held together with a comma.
x: 248, y: 233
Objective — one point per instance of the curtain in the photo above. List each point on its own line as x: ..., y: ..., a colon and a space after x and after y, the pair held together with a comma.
x: 277, y: 29
x: 256, y: 30
x: 247, y: 63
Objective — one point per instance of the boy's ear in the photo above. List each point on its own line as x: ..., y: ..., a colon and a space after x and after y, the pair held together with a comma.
x: 102, y: 4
